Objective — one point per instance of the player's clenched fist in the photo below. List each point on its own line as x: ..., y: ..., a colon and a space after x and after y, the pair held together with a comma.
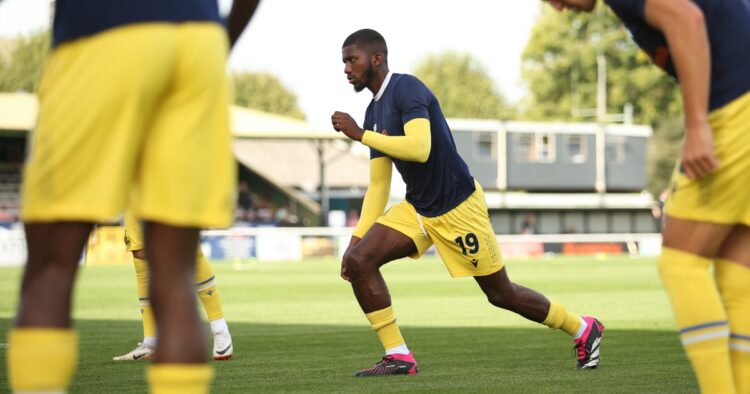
x: 343, y: 122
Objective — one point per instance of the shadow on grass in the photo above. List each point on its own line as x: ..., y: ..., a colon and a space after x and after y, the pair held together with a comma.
x: 317, y: 358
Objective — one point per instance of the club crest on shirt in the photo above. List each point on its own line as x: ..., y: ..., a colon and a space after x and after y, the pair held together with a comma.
x: 375, y: 127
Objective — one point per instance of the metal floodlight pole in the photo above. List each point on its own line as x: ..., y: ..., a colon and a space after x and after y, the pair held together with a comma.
x: 601, y: 119
x: 323, y: 187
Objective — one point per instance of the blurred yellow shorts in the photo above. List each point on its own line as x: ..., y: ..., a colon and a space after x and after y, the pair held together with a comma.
x: 724, y: 195
x: 463, y: 236
x: 142, y: 108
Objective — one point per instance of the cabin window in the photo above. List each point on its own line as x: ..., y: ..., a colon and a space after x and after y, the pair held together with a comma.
x: 535, y: 148
x: 545, y: 148
x: 485, y: 145
x: 576, y: 147
x: 524, y: 144
x: 615, y: 149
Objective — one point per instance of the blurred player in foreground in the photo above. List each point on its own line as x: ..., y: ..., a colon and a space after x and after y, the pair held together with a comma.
x: 205, y: 286
x: 705, y: 44
x: 134, y: 96
x: 444, y: 206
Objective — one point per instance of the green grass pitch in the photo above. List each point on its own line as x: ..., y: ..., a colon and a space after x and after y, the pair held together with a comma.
x: 297, y: 328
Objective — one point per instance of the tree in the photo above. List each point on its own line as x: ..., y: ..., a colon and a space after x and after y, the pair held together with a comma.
x: 265, y: 92
x: 22, y: 70
x: 664, y: 149
x: 559, y: 68
x: 464, y: 87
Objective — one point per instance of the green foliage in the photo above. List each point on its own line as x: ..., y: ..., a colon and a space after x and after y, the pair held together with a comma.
x: 663, y: 150
x: 3, y: 71
x: 265, y: 92
x: 559, y: 67
x: 22, y: 70
x: 462, y: 85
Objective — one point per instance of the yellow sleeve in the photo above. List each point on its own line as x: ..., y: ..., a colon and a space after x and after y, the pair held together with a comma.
x: 413, y: 146
x: 376, y: 196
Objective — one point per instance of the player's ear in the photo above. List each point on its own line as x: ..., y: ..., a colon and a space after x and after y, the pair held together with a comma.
x: 377, y: 59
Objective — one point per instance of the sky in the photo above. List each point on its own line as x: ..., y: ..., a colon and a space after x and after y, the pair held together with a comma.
x: 299, y: 41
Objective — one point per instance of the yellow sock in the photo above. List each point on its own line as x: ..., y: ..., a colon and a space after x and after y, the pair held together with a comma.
x: 149, y: 323
x: 700, y: 316
x: 211, y: 303
x: 147, y: 314
x: 41, y: 359
x: 733, y: 280
x: 205, y: 286
x: 384, y: 323
x: 180, y: 378
x: 740, y: 367
x: 559, y: 317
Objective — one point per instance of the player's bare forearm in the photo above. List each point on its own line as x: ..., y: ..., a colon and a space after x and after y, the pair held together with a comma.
x: 343, y: 122
x: 684, y: 28
x: 241, y: 13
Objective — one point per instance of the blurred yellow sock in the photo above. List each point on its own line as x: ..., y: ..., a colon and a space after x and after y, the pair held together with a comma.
x: 41, y: 359
x: 733, y: 280
x: 700, y: 316
x: 180, y: 378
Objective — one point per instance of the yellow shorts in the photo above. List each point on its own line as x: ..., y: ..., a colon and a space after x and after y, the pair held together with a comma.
x: 724, y: 195
x: 463, y: 236
x: 142, y: 107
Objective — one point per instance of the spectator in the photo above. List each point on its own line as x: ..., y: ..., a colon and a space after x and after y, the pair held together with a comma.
x: 528, y: 225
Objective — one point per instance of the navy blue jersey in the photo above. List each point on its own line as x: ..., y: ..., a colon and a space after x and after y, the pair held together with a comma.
x: 80, y: 18
x: 728, y: 26
x: 443, y: 181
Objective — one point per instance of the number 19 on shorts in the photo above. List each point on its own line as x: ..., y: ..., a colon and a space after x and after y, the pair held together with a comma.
x: 468, y: 243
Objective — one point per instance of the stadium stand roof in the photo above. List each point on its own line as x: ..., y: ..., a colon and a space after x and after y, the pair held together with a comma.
x: 18, y: 111
x: 295, y: 162
x: 287, y: 151
x: 281, y: 149
x: 255, y: 124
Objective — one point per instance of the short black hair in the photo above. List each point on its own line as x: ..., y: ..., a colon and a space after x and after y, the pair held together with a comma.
x: 368, y: 39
